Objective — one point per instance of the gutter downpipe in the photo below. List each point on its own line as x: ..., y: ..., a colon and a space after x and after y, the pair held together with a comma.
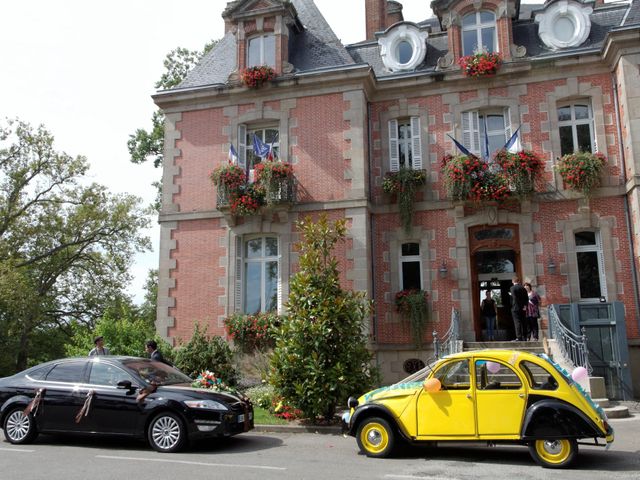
x: 627, y: 214
x: 374, y: 323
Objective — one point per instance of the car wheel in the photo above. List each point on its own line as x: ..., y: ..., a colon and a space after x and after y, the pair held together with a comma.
x: 167, y: 433
x: 558, y: 453
x: 19, y: 428
x: 375, y: 437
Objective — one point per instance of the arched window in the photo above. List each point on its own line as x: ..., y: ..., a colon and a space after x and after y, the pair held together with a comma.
x: 479, y: 32
x: 261, y: 50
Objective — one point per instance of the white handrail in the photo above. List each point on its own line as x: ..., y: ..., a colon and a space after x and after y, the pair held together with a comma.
x: 572, y: 345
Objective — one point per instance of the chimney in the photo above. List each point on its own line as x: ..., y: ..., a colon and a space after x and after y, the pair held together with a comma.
x: 375, y: 12
x: 394, y: 13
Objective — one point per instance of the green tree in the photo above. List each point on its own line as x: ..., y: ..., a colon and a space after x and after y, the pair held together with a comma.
x: 65, y: 245
x: 321, y: 354
x: 149, y: 144
x: 125, y: 332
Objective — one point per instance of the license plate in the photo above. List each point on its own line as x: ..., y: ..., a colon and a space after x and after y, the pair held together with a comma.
x: 241, y: 418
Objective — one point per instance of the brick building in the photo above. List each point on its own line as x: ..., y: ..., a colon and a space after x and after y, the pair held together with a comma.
x: 345, y: 116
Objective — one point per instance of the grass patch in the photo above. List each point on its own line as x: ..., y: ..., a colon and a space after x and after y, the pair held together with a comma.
x: 264, y: 417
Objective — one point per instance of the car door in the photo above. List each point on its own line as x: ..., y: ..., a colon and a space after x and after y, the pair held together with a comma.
x: 449, y: 412
x: 63, y: 397
x: 113, y: 410
x: 501, y: 398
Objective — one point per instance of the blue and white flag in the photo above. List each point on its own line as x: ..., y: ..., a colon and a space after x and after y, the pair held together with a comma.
x: 233, y: 155
x: 260, y: 148
x: 460, y: 146
x: 513, y: 145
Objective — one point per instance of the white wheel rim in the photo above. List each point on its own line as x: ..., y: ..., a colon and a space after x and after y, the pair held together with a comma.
x: 165, y: 432
x: 17, y: 426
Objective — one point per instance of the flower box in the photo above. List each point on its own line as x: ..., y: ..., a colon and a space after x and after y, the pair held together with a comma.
x: 582, y: 171
x: 254, y: 77
x: 481, y: 64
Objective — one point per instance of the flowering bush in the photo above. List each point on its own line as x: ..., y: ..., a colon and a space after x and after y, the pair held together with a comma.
x: 261, y: 395
x: 412, y: 304
x: 404, y: 183
x: 229, y: 176
x: 210, y: 381
x: 521, y: 170
x: 254, y: 77
x: 461, y: 173
x: 251, y: 332
x: 247, y: 200
x: 283, y: 410
x: 581, y: 171
x: 480, y: 63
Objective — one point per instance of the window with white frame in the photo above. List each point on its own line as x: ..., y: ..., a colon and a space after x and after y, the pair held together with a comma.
x: 575, y: 124
x: 479, y: 32
x: 405, y: 144
x: 257, y: 274
x: 410, y: 267
x: 261, y: 50
x: 247, y: 159
x: 485, y: 131
x: 590, y: 265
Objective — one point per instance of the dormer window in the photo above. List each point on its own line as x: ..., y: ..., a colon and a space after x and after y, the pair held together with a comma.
x: 403, y: 47
x: 479, y: 32
x: 261, y: 50
x: 564, y: 24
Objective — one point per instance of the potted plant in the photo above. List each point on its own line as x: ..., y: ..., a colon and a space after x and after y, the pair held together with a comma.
x: 275, y: 177
x: 412, y: 304
x: 247, y: 200
x: 404, y: 184
x: 581, y: 171
x: 521, y: 170
x: 461, y: 174
x: 229, y: 176
x: 254, y: 77
x: 481, y: 63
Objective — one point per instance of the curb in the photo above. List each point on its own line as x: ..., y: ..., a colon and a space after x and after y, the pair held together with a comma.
x: 322, y: 430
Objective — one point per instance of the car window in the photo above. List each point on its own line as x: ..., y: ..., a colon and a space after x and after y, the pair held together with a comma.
x: 156, y: 372
x: 105, y: 374
x: 492, y: 375
x: 538, y: 377
x: 38, y: 373
x: 70, y: 372
x: 454, y: 375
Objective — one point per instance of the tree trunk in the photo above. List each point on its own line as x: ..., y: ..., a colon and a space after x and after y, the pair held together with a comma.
x: 23, y: 350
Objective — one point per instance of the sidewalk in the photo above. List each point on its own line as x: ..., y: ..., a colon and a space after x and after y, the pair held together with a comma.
x: 320, y: 429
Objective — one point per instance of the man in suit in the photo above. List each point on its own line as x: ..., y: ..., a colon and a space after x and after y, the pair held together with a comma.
x: 152, y: 349
x: 519, y: 301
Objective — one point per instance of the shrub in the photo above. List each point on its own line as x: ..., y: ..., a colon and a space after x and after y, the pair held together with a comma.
x: 203, y: 353
x: 252, y: 332
x: 261, y: 396
x: 581, y: 171
x: 320, y: 357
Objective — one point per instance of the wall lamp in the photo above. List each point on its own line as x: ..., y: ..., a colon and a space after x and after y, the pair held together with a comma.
x: 443, y: 271
x: 551, y: 266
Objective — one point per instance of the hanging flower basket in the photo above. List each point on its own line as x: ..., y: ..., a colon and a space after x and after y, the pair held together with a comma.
x: 247, y: 200
x: 254, y: 77
x: 413, y: 305
x: 521, y: 170
x: 582, y: 171
x: 229, y: 176
x: 404, y: 184
x: 461, y: 174
x: 481, y: 64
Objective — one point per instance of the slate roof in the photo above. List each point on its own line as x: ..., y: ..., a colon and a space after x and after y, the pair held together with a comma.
x: 314, y: 48
x: 317, y: 46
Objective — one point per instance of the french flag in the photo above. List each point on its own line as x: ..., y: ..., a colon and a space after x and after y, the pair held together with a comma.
x: 233, y: 155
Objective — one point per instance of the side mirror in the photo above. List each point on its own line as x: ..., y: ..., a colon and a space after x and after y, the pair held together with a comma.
x: 125, y: 385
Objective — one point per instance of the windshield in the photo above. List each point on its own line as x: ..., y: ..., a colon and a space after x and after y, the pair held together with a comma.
x: 156, y: 372
x: 420, y: 375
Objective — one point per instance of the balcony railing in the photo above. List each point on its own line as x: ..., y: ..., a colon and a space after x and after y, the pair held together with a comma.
x: 279, y: 192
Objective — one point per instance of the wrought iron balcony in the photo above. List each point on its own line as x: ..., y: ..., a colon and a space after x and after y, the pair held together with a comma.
x: 278, y: 192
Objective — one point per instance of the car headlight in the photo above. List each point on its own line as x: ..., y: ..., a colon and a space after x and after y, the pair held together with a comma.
x: 205, y: 404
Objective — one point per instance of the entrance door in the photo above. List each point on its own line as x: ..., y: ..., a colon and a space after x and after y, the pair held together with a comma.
x: 495, y: 259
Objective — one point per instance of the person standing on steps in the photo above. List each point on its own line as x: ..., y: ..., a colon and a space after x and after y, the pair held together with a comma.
x: 489, y: 312
x: 519, y: 301
x: 533, y: 312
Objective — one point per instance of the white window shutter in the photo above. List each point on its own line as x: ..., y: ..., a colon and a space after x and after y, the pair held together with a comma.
x: 239, y: 267
x: 394, y: 153
x: 416, y: 143
x: 507, y: 125
x: 242, y: 146
x: 471, y: 131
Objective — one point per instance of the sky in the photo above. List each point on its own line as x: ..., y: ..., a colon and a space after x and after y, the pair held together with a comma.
x: 86, y: 71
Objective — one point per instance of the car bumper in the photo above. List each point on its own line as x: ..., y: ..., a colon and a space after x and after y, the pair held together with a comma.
x: 345, y: 423
x: 203, y: 424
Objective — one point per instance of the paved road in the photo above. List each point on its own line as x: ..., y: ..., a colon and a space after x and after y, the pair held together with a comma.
x: 297, y: 456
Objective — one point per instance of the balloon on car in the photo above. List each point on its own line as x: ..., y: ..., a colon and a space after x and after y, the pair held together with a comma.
x: 432, y: 385
x: 579, y: 373
x: 493, y: 367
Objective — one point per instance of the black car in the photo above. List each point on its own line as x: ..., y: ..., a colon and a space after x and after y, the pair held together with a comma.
x: 109, y: 395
